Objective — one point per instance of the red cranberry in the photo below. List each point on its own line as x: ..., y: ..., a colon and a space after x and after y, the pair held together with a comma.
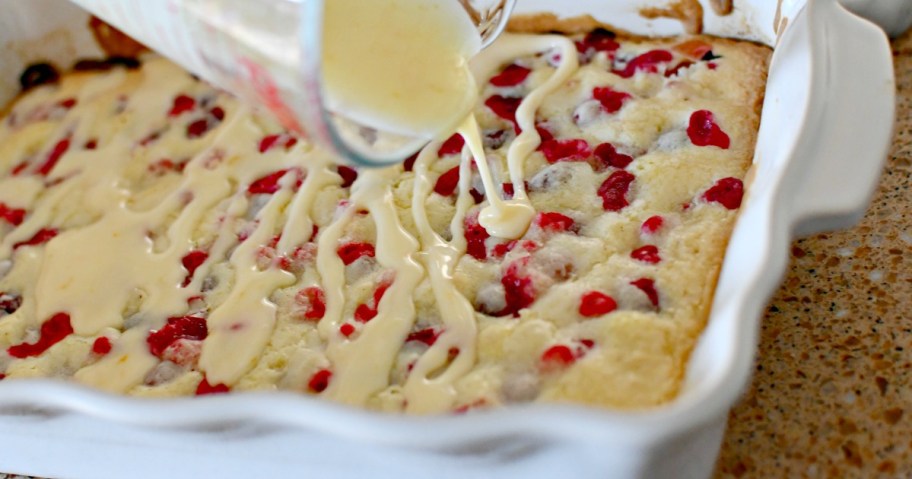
x: 54, y: 156
x: 54, y: 330
x: 347, y: 329
x: 565, y: 150
x: 427, y: 336
x: 557, y: 357
x: 647, y: 286
x: 511, y: 76
x: 611, y: 100
x: 554, y: 222
x: 40, y: 237
x: 652, y: 225
x: 348, y: 174
x: 646, y: 254
x: 614, y: 190
x: 269, y: 184
x: 13, y: 216
x: 452, y: 146
x: 319, y: 381
x: 182, y: 103
x: 9, y: 303
x: 647, y: 62
x: 446, y: 184
x: 727, y: 191
x: 703, y: 130
x: 475, y: 235
x: 101, y: 346
x: 595, y: 303
x: 314, y: 302
x: 504, y: 107
x: 205, y: 388
x: 519, y: 292
x: 191, y: 261
x: 350, y: 252
x: 599, y: 40
x: 608, y: 156
x: 183, y: 327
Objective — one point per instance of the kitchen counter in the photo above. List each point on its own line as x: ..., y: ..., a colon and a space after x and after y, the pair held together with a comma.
x: 832, y: 389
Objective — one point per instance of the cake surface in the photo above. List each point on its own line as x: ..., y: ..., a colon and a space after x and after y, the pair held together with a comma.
x: 159, y: 239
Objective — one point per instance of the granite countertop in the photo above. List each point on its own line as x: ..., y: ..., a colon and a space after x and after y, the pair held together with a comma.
x: 832, y: 390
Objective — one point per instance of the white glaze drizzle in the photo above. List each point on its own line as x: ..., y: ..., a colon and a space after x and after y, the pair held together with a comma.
x: 241, y: 326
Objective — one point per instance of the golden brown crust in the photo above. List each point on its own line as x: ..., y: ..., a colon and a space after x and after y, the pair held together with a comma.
x: 688, y: 12
x: 722, y: 7
x: 114, y: 42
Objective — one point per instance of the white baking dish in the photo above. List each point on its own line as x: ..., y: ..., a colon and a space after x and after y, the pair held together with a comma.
x: 826, y: 127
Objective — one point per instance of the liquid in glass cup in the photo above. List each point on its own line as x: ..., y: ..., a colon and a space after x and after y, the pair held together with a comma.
x: 371, y: 80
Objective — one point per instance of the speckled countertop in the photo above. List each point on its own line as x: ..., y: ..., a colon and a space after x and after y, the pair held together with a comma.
x: 832, y: 391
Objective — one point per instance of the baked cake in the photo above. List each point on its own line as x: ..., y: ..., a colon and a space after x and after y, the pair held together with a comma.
x: 159, y: 239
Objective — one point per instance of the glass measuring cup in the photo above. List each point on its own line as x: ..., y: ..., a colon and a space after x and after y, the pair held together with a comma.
x: 270, y: 52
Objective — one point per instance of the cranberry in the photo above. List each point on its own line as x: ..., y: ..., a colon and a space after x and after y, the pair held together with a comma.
x: 647, y: 62
x: 269, y: 184
x: 91, y: 144
x: 555, y: 222
x: 519, y: 292
x: 67, y: 103
x: 703, y: 130
x: 508, y: 191
x: 350, y: 252
x: 595, y: 303
x: 447, y: 182
x: 348, y: 174
x: 677, y: 68
x: 182, y: 103
x: 647, y: 286
x: 565, y: 150
x: 427, y: 336
x: 599, y: 40
x: 9, y: 303
x: 184, y: 327
x: 319, y: 381
x: 646, y: 254
x: 269, y: 141
x: 511, y: 76
x: 191, y: 261
x: 608, y: 156
x: 54, y: 330
x: 475, y: 236
x: 218, y: 113
x: 557, y: 357
x: 101, y: 346
x: 503, y: 106
x: 313, y: 300
x: 42, y: 236
x: 198, y: 128
x: 368, y: 311
x: 205, y: 388
x: 652, y: 225
x: 610, y: 99
x: 452, y: 146
x: 409, y: 162
x: 54, y: 156
x: 477, y: 196
x: 614, y: 190
x: 13, y: 216
x: 501, y: 249
x: 347, y: 329
x: 165, y: 165
x: 727, y: 191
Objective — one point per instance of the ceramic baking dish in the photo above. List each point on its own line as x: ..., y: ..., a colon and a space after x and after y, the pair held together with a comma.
x: 826, y: 126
